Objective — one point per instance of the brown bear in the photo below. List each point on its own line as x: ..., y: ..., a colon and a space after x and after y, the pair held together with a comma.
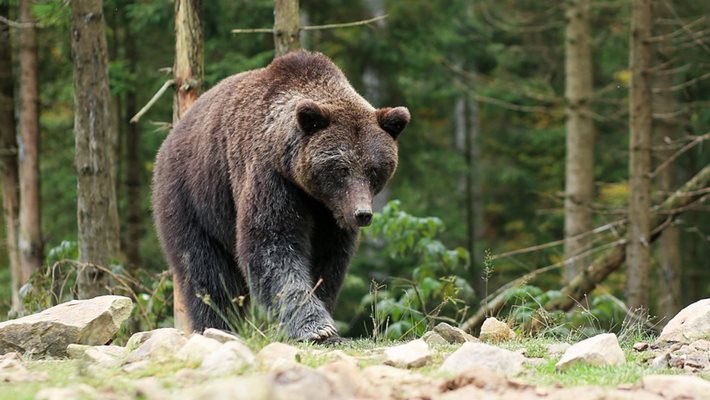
x: 261, y: 188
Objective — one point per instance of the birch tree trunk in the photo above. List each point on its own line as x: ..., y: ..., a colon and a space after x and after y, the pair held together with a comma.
x: 8, y: 161
x: 286, y: 26
x: 188, y: 75
x: 666, y: 127
x: 99, y: 235
x: 579, y: 167
x: 640, y: 114
x: 30, y: 233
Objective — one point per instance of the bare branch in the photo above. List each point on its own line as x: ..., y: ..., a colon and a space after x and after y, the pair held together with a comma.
x: 344, y: 25
x: 317, y: 27
x: 682, y: 150
x: 15, y: 24
x: 152, y: 101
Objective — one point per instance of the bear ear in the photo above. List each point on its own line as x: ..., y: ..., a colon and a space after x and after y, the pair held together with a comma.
x: 393, y: 120
x: 311, y: 117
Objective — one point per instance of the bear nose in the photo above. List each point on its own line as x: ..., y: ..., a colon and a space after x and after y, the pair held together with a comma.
x: 363, y: 217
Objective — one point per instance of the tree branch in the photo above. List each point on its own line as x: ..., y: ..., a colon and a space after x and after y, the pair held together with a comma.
x: 316, y: 27
x: 152, y: 101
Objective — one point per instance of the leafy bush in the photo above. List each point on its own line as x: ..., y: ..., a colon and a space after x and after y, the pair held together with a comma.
x: 434, y: 289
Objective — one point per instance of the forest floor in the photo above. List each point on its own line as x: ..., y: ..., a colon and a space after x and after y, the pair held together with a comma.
x: 351, y: 370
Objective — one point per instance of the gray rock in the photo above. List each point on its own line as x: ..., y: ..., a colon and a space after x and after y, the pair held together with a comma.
x: 254, y: 387
x: 162, y: 345
x: 640, y: 346
x: 677, y: 386
x: 12, y: 370
x: 302, y: 383
x: 413, y: 354
x: 276, y: 355
x: 660, y: 361
x: 690, y: 324
x: 197, y: 348
x: 139, y: 338
x: 485, y: 356
x: 105, y: 356
x: 555, y: 349
x: 602, y: 349
x: 434, y: 339
x: 220, y: 335
x: 452, y: 334
x: 82, y: 391
x: 493, y: 330
x: 231, y: 357
x: 91, y: 322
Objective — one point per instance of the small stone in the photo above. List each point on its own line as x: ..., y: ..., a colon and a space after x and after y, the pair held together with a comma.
x: 413, y: 354
x: 76, y: 351
x: 197, y: 348
x: 344, y: 375
x: 434, y: 339
x: 452, y: 334
x: 254, y: 387
x: 602, y: 349
x: 661, y: 361
x: 91, y: 322
x: 275, y: 355
x: 150, y: 388
x: 139, y: 338
x: 677, y: 386
x: 640, y: 346
x: 494, y: 331
x: 162, y: 345
x: 231, y: 357
x: 483, y: 355
x: 12, y: 370
x: 535, y: 362
x: 701, y: 345
x: 690, y: 324
x: 105, y: 356
x: 220, y: 335
x: 299, y: 382
x: 555, y: 349
x: 136, y: 366
x: 82, y: 391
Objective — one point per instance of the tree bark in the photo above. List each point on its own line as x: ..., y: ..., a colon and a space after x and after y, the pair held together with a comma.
x: 30, y: 239
x: 579, y: 166
x: 189, y: 55
x: 134, y: 214
x: 669, y: 299
x: 99, y: 235
x: 286, y: 26
x: 8, y: 161
x: 189, y: 75
x: 640, y: 113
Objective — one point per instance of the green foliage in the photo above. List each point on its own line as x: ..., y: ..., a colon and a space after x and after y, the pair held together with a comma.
x: 434, y: 290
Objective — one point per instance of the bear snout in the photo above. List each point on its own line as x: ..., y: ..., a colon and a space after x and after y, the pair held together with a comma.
x: 363, y: 216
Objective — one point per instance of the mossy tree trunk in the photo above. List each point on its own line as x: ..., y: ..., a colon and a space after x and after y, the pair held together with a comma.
x: 95, y: 141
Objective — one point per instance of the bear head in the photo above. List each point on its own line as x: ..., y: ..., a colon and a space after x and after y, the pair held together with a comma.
x: 346, y: 155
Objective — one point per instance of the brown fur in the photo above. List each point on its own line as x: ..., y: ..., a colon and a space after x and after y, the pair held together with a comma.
x: 261, y: 187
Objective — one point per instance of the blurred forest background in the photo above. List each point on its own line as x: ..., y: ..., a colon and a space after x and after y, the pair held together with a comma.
x: 519, y: 147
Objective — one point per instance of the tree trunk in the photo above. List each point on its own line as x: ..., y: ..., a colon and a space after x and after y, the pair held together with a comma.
x: 286, y: 26
x: 668, y: 297
x: 189, y: 55
x: 8, y: 160
x: 30, y: 239
x: 134, y: 214
x: 95, y: 147
x: 640, y: 114
x: 579, y: 167
x: 189, y: 75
